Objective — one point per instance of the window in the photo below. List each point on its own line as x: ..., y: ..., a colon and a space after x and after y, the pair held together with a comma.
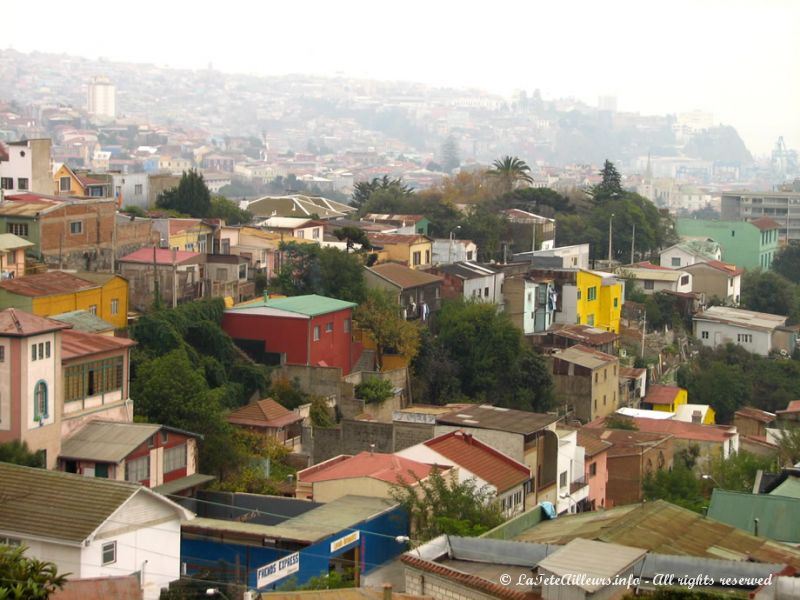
x: 469, y: 255
x: 7, y: 183
x: 22, y: 183
x: 704, y: 335
x: 301, y: 234
x: 41, y: 350
x: 596, y: 376
x: 605, y: 374
x: 562, y: 479
x: 34, y: 355
x: 347, y: 325
x: 579, y: 295
x: 590, y: 320
x: 9, y: 541
x: 329, y: 327
x: 138, y: 469
x: 417, y: 258
x: 486, y: 292
x: 593, y: 469
x: 591, y: 293
x: 2, y: 354
x: 427, y: 257
x: 76, y: 227
x: 93, y: 309
x: 649, y: 284
x: 151, y: 441
x: 47, y: 349
x: 685, y: 280
x: 64, y: 184
x: 40, y: 401
x: 109, y: 553
x: 745, y: 338
x: 316, y: 333
x: 676, y: 261
x: 175, y: 458
x: 164, y: 435
x: 315, y: 233
x: 20, y: 229
x: 604, y: 399
x: 616, y: 302
x: 137, y: 189
x: 89, y: 379
x: 114, y: 306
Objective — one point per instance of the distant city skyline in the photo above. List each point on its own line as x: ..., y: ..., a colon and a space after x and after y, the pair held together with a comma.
x: 735, y: 59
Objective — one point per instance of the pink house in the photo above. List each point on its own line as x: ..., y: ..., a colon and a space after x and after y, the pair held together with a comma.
x: 12, y: 255
x: 595, y: 468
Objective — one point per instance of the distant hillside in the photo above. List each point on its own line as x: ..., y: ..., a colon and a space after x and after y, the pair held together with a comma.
x: 720, y: 144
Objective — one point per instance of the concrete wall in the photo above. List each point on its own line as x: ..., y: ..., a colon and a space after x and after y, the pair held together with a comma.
x: 721, y: 333
x: 438, y: 587
x: 512, y: 444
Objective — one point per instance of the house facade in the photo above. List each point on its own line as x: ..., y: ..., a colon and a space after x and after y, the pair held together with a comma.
x: 301, y: 330
x: 587, y: 381
x: 414, y: 251
x: 759, y: 333
x: 690, y: 252
x: 652, y: 279
x: 749, y: 245
x: 25, y: 166
x: 267, y: 417
x: 174, y: 274
x: 78, y: 185
x: 529, y: 303
x: 446, y: 251
x: 12, y: 255
x: 715, y: 279
x: 471, y: 281
x: 418, y: 292
x: 595, y: 468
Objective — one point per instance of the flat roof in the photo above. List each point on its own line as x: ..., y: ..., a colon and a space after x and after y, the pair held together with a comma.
x: 741, y: 317
x: 486, y: 416
x: 595, y: 560
x: 586, y: 357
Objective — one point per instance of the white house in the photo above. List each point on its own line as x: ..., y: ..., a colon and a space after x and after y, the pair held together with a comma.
x: 759, y: 333
x: 92, y: 527
x: 26, y: 167
x: 562, y: 257
x: 509, y: 479
x: 653, y: 279
x: 446, y: 251
x: 471, y: 281
x: 131, y: 189
x: 303, y: 228
x: 572, y: 487
x: 689, y: 252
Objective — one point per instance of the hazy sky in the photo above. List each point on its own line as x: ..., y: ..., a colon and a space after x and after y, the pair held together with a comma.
x: 738, y: 59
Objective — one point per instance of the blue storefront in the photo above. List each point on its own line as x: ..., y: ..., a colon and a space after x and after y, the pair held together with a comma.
x: 348, y: 533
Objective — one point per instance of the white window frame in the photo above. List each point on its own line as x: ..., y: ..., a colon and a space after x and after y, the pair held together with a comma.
x: 65, y: 179
x: 109, y: 548
x: 175, y: 458
x: 316, y: 333
x: 72, y: 228
x: 114, y: 306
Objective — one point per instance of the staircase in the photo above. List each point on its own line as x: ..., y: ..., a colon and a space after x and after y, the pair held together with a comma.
x: 366, y: 361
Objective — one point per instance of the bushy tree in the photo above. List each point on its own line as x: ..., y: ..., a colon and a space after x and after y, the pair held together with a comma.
x: 18, y: 453
x: 611, y: 185
x: 24, y: 578
x: 679, y: 486
x: 352, y: 236
x: 364, y: 190
x: 374, y: 390
x: 191, y: 197
x: 379, y: 315
x: 768, y: 292
x: 787, y: 262
x: 441, y: 505
x: 228, y: 211
x: 738, y: 472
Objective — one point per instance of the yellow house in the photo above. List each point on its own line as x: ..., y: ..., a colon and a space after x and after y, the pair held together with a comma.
x: 191, y: 235
x: 412, y: 250
x: 666, y: 398
x: 69, y: 183
x: 56, y: 292
x: 599, y: 300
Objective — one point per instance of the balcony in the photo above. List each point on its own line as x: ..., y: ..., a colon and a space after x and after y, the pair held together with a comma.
x: 576, y: 486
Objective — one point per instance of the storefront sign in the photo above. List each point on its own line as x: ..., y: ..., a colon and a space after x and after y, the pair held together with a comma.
x: 279, y: 569
x: 345, y: 541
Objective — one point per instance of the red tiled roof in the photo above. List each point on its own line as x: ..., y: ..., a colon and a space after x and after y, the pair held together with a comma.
x: 264, y: 413
x: 492, y: 466
x: 163, y: 256
x: 731, y: 270
x: 793, y: 407
x: 624, y: 441
x: 384, y: 467
x: 646, y: 264
x: 661, y: 394
x: 75, y: 344
x: 756, y: 413
x: 86, y: 181
x: 486, y: 587
x: 18, y: 323
x: 34, y: 198
x: 46, y: 284
x: 765, y: 223
x: 591, y: 443
x: 685, y: 431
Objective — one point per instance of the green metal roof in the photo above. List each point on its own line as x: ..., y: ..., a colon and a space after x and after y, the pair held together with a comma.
x: 56, y: 505
x: 83, y: 320
x: 310, y: 306
x: 777, y: 515
x: 789, y: 488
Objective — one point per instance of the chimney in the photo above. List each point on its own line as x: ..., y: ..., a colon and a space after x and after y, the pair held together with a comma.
x: 387, y: 591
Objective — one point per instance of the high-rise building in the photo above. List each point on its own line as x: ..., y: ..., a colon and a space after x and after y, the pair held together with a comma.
x: 102, y: 98
x: 783, y: 207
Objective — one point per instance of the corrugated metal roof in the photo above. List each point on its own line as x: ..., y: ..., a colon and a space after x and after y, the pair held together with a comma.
x: 789, y: 488
x: 586, y: 357
x: 486, y: 416
x: 56, y: 505
x: 592, y: 559
x: 665, y: 528
x: 184, y: 483
x: 403, y: 276
x: 79, y: 343
x: 83, y: 320
x: 661, y: 394
x: 18, y: 323
x: 9, y: 241
x: 310, y: 305
x: 776, y: 514
x: 741, y: 317
x: 47, y: 284
x: 107, y: 441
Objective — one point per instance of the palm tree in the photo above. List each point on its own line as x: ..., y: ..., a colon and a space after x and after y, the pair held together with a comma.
x: 510, y: 171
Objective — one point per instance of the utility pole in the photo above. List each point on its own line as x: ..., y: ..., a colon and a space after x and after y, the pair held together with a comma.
x: 610, y: 243
x: 644, y: 332
x: 633, y: 240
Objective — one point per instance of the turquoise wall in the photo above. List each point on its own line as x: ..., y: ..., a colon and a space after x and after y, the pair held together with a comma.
x: 742, y: 243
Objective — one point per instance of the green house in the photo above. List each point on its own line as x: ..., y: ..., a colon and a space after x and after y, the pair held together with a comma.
x: 746, y: 244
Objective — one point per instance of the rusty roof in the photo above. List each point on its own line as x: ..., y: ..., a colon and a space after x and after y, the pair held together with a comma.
x: 666, y: 529
x: 625, y: 442
x: 585, y: 356
x: 486, y: 416
x: 492, y: 466
x: 47, y: 284
x: 765, y: 223
x: 25, y: 205
x: 77, y: 344
x: 18, y: 323
x: 402, y: 276
x: 161, y: 256
x: 263, y: 413
x: 757, y: 414
x: 585, y: 334
x: 592, y: 444
x: 661, y: 394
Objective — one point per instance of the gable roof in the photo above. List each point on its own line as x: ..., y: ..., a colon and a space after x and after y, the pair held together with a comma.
x: 467, y: 270
x: 46, y: 284
x: 661, y: 394
x: 486, y: 416
x: 729, y: 269
x: 264, y: 413
x: 111, y: 441
x: 9, y: 241
x: 402, y: 276
x: 492, y: 466
x: 18, y: 323
x: 76, y: 344
x: 591, y: 444
x: 56, y: 505
x: 383, y: 467
x: 163, y: 256
x: 662, y: 527
x: 706, y: 249
x: 741, y: 318
x: 765, y: 223
x: 310, y: 305
x: 750, y: 412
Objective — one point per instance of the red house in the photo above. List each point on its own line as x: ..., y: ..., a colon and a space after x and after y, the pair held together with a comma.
x: 303, y: 330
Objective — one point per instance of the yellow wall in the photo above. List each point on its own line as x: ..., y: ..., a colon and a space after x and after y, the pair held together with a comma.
x: 76, y: 189
x: 682, y: 397
x: 710, y: 418
x: 601, y: 310
x: 405, y: 252
x: 190, y: 235
x: 101, y: 297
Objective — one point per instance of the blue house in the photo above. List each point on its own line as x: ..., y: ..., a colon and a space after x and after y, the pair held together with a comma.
x: 352, y: 533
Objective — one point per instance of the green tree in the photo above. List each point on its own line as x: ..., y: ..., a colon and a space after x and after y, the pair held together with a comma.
x: 738, y: 472
x: 449, y: 154
x: 374, y: 390
x: 191, y: 197
x: 379, y: 315
x: 768, y: 292
x: 510, y: 172
x: 788, y: 446
x: 353, y: 235
x: 486, y: 228
x: 363, y: 191
x: 611, y: 185
x: 18, y: 453
x: 679, y: 486
x: 434, y: 373
x: 228, y: 211
x: 787, y: 262
x: 441, y: 505
x: 134, y: 211
x: 24, y: 578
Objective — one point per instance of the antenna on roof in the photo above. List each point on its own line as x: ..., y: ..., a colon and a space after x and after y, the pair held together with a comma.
x: 371, y: 449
